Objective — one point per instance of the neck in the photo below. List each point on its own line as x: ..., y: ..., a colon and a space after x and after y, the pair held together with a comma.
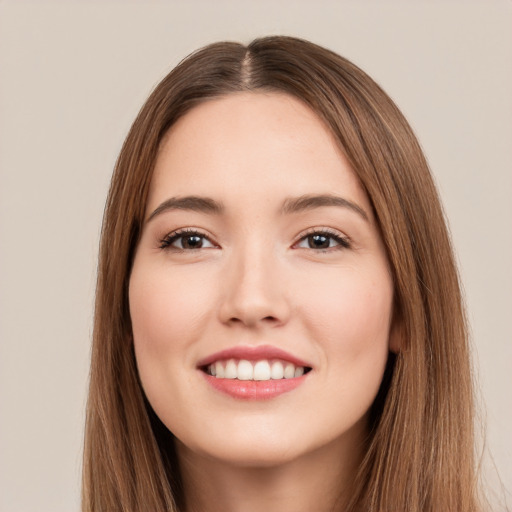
x: 321, y: 480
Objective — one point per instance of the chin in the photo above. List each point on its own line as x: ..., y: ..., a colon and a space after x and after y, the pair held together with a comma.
x: 264, y: 448
x: 255, y: 456
x: 243, y: 447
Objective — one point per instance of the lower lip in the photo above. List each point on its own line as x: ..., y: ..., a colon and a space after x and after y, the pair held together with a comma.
x: 254, y: 389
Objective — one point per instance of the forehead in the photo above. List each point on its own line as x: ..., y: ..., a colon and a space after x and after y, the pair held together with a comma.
x: 252, y: 145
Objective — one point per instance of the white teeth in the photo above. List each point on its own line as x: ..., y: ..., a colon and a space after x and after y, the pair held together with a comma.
x: 289, y: 371
x: 219, y: 370
x: 258, y: 370
x: 231, y: 370
x: 245, y: 370
x: 262, y: 370
x: 277, y: 371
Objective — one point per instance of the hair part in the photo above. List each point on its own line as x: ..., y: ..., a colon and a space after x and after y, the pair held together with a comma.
x: 420, y: 446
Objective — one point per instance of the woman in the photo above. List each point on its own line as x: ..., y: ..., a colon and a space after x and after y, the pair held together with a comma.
x: 278, y: 321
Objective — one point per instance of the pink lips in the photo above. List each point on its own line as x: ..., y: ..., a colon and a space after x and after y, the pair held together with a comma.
x: 252, y: 389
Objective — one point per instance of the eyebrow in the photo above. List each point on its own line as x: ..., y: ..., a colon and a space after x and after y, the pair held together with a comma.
x: 309, y: 202
x: 290, y: 205
x: 192, y: 203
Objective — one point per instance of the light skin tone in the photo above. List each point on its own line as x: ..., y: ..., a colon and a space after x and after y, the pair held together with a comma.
x: 281, y: 250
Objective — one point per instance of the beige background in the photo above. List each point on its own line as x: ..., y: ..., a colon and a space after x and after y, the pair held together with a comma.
x: 72, y: 77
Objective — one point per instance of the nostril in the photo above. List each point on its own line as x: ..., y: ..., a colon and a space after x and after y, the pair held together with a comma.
x: 248, y: 320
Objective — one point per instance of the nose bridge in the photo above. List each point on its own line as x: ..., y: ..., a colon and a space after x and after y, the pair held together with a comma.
x: 254, y: 289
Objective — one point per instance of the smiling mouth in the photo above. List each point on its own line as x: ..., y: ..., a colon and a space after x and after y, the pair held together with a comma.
x: 260, y: 370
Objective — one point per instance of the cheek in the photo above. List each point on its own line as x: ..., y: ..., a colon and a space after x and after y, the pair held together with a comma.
x: 350, y: 317
x: 168, y: 315
x: 167, y: 311
x: 152, y: 312
x: 351, y: 303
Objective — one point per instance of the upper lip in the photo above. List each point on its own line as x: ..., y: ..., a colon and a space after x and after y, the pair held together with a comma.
x: 252, y: 353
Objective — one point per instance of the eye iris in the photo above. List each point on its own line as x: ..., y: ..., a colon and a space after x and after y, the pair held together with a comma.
x: 192, y: 242
x: 318, y: 241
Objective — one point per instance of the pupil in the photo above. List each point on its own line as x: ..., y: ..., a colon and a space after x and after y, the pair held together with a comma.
x: 193, y: 242
x: 319, y: 242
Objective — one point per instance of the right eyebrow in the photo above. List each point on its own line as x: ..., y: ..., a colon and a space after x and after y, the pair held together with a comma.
x: 193, y: 203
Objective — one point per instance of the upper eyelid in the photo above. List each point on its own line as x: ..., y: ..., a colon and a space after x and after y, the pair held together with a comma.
x: 187, y: 231
x: 322, y: 230
x: 302, y: 234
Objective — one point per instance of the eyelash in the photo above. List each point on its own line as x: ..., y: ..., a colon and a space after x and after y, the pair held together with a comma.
x: 168, y: 240
x: 342, y: 241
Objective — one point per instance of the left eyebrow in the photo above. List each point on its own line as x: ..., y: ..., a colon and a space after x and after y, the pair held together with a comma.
x: 309, y: 202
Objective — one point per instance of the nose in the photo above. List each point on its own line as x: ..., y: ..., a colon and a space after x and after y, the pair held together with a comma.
x: 255, y: 294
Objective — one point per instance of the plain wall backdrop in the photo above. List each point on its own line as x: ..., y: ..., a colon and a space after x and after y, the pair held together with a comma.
x: 72, y: 78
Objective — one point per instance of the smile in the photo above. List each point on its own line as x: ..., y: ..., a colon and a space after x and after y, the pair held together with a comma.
x: 261, y: 370
x: 254, y: 373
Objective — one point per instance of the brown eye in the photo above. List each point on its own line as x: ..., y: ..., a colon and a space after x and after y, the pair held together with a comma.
x: 191, y: 242
x: 186, y: 241
x: 322, y: 241
x: 318, y: 241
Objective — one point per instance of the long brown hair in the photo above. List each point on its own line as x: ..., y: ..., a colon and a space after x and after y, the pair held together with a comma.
x: 420, y: 448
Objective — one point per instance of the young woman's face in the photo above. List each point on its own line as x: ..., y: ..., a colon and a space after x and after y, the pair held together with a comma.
x: 260, y: 262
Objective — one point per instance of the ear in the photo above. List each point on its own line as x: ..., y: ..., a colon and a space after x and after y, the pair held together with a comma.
x: 396, y: 331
